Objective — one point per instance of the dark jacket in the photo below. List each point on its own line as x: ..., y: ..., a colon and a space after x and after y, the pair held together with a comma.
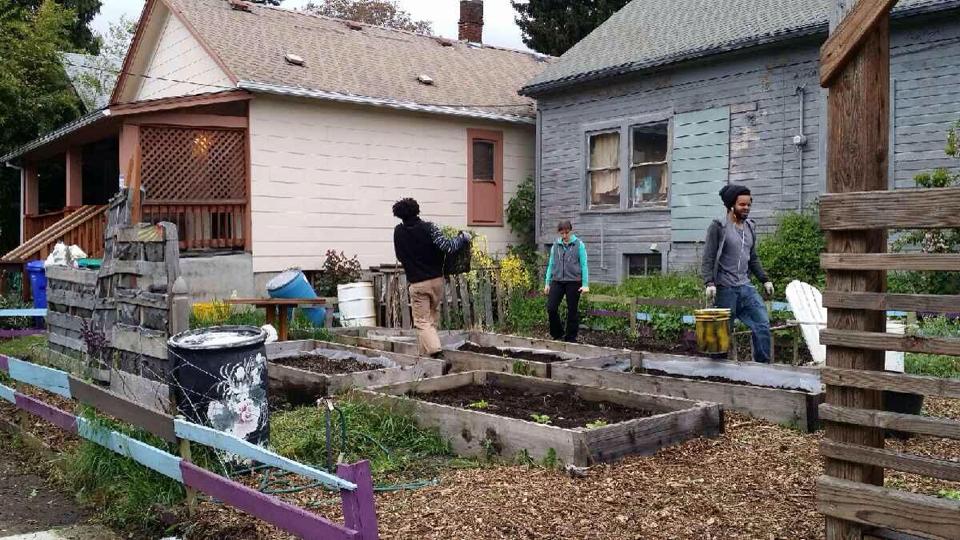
x: 714, y: 247
x: 421, y: 247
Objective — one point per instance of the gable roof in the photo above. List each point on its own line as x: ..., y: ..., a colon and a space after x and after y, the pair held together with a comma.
x: 371, y: 65
x: 90, y: 77
x: 652, y: 33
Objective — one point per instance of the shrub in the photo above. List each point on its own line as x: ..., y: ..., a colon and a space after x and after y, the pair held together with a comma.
x: 792, y: 252
x: 522, y: 212
x: 527, y: 312
x: 337, y: 270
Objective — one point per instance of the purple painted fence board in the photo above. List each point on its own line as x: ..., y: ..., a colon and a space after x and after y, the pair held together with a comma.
x: 270, y: 509
x: 4, y: 365
x: 11, y: 333
x: 359, y: 509
x: 49, y: 413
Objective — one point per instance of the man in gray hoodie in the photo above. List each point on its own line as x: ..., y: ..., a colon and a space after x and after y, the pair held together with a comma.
x: 729, y: 257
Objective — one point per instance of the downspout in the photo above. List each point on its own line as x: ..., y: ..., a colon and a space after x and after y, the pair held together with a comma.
x: 800, y: 141
x: 23, y: 185
x: 537, y: 173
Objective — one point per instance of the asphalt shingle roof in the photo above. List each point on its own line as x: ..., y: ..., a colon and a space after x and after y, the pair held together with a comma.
x: 650, y: 33
x: 372, y: 62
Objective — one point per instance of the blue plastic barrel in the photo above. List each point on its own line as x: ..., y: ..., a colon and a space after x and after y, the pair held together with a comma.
x: 38, y: 283
x: 293, y: 284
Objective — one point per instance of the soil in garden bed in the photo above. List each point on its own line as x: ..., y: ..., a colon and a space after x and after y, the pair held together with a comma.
x: 326, y: 366
x: 783, y: 352
x: 710, y: 378
x: 564, y: 409
x: 533, y: 356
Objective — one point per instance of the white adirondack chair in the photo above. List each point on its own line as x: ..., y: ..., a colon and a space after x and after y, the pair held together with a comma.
x: 807, y: 305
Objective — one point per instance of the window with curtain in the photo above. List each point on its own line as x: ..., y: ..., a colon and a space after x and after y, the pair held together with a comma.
x: 649, y: 184
x: 603, y: 170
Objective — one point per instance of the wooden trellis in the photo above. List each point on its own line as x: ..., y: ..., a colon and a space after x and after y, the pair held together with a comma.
x: 856, y: 212
x: 193, y: 165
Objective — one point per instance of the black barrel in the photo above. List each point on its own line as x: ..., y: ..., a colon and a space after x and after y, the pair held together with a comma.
x: 219, y: 379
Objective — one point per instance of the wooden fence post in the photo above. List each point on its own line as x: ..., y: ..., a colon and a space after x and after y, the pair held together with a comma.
x: 359, y: 507
x: 855, y: 66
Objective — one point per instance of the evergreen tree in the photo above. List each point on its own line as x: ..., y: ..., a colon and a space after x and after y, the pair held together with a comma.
x: 553, y: 26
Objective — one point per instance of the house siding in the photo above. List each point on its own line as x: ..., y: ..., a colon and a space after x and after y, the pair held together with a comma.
x: 760, y: 89
x: 179, y: 65
x: 325, y: 176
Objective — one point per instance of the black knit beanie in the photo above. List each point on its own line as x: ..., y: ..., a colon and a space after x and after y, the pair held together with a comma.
x: 730, y: 192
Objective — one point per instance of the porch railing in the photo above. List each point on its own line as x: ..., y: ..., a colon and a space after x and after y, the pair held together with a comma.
x: 216, y: 224
x: 35, y: 224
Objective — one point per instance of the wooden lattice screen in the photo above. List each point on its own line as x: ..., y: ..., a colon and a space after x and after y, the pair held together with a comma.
x: 193, y: 165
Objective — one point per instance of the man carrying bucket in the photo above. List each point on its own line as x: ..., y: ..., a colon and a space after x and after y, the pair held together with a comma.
x: 729, y: 257
x: 421, y: 247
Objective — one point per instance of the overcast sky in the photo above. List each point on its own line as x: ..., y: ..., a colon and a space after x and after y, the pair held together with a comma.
x: 499, y: 27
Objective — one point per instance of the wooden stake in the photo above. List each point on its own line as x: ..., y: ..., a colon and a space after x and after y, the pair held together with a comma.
x: 191, y: 493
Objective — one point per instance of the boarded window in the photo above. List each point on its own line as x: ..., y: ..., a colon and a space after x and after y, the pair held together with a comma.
x: 484, y: 177
x: 603, y: 170
x: 649, y: 184
x: 644, y: 264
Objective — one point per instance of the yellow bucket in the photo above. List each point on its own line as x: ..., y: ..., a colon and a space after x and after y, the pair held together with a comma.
x: 713, y: 330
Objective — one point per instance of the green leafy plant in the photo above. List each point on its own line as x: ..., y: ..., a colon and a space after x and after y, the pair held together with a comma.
x: 931, y: 240
x: 540, y: 418
x: 598, y: 423
x: 337, y: 270
x: 479, y: 405
x: 520, y: 367
x: 952, y: 494
x: 792, y: 252
x: 550, y: 461
x: 522, y: 212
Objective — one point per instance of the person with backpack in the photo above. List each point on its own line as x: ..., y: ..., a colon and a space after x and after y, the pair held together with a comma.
x: 729, y: 257
x: 567, y: 276
x: 422, y: 248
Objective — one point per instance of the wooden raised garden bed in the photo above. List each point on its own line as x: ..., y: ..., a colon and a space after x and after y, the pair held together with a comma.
x: 397, y: 340
x: 786, y: 395
x: 491, y: 414
x: 301, y: 371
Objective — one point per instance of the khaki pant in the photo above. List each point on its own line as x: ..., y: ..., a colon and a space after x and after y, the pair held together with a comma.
x: 425, y: 301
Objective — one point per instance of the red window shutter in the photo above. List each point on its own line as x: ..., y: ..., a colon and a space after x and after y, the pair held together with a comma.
x: 484, y: 177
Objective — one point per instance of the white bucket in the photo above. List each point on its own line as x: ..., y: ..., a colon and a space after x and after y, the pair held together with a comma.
x: 356, y: 304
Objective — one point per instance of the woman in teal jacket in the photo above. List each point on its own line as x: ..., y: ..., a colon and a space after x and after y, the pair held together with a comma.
x: 566, y: 275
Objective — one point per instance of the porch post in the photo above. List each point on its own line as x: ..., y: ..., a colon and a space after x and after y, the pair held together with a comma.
x: 74, y: 167
x: 30, y: 196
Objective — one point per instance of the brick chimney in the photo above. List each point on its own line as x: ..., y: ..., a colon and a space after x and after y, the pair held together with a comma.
x: 471, y: 20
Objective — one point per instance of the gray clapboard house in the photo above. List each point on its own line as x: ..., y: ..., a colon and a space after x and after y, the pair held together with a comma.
x: 643, y: 121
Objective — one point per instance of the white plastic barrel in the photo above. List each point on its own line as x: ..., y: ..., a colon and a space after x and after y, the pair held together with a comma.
x: 356, y: 304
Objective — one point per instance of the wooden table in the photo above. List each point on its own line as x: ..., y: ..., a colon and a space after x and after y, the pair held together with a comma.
x: 277, y: 309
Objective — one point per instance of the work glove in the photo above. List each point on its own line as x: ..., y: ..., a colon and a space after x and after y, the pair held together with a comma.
x: 466, y: 235
x: 711, y: 292
x: 584, y: 289
x: 768, y: 287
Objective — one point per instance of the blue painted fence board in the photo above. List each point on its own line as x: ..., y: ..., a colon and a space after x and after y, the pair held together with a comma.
x: 223, y: 441
x: 144, y: 454
x: 25, y: 312
x: 51, y: 380
x: 6, y: 393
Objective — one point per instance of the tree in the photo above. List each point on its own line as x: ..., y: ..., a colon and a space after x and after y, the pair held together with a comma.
x: 553, y: 26
x: 34, y: 90
x: 80, y: 38
x: 100, y: 72
x: 267, y: 2
x: 376, y: 12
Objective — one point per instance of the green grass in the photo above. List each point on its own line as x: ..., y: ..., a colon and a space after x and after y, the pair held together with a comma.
x: 388, y: 436
x: 125, y: 494
x: 30, y: 348
x: 933, y: 365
